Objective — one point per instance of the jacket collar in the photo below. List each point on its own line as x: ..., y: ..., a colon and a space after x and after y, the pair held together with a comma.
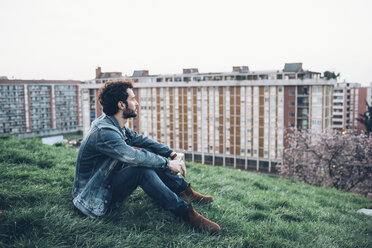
x: 116, y: 124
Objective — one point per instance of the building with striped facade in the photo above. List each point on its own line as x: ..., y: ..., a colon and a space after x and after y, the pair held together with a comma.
x: 32, y: 108
x: 236, y: 119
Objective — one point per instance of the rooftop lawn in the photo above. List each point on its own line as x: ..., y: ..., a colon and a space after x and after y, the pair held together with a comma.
x: 253, y: 210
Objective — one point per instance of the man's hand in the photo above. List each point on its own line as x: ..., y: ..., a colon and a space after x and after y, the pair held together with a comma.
x: 176, y: 166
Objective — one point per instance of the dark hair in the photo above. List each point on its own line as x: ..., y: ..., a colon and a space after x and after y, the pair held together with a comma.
x: 113, y: 92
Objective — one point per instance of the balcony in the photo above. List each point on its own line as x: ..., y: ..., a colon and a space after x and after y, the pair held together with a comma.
x: 302, y: 102
x: 303, y: 94
x: 302, y: 91
x: 302, y: 117
x: 303, y: 105
x: 337, y: 124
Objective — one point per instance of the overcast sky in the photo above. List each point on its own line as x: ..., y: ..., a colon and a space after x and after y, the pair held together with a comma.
x: 68, y: 39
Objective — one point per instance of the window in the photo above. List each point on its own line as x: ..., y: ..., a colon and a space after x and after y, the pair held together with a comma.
x: 316, y: 111
x: 317, y: 100
x: 316, y: 123
x: 317, y: 89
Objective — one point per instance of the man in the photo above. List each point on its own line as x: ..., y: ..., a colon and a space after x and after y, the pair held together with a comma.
x: 109, y: 169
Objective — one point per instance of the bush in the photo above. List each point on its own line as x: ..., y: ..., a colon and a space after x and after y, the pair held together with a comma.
x: 342, y: 161
x: 5, y: 137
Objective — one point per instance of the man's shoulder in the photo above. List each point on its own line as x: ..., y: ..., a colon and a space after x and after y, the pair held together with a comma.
x: 104, y: 124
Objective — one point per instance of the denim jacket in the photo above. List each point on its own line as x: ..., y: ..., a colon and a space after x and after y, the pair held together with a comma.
x: 105, y: 146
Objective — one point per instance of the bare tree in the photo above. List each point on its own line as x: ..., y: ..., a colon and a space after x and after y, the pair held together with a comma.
x: 330, y: 159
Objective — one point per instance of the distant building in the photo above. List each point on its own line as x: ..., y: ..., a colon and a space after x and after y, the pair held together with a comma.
x: 235, y: 119
x: 369, y: 95
x: 102, y: 77
x: 349, y: 101
x: 39, y: 107
x: 362, y: 107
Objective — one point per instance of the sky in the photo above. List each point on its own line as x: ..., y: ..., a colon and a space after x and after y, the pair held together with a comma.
x: 68, y: 39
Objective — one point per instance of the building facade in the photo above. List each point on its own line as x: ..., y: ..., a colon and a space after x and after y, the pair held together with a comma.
x: 236, y: 119
x: 349, y: 101
x: 32, y: 108
x: 369, y: 95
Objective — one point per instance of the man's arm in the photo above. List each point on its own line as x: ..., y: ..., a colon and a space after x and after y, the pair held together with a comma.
x: 110, y: 143
x: 149, y: 144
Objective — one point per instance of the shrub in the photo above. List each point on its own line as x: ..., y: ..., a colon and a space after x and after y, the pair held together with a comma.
x: 5, y: 137
x: 331, y: 159
x: 59, y: 144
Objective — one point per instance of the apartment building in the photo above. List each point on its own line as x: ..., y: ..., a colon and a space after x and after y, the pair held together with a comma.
x: 39, y: 107
x: 349, y: 101
x: 369, y: 95
x: 236, y: 119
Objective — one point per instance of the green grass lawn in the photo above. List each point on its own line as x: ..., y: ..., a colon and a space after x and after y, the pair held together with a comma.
x: 253, y: 210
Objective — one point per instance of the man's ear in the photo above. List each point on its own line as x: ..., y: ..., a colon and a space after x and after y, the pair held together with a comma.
x: 121, y: 105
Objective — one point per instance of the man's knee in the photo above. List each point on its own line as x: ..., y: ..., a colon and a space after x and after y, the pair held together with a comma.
x: 148, y: 172
x: 149, y: 176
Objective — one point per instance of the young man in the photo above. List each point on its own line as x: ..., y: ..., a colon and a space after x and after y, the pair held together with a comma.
x: 109, y: 169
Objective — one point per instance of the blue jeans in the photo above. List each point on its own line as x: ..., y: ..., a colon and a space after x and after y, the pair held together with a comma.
x: 160, y: 184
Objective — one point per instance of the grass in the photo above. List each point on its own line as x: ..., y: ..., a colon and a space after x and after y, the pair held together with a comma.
x: 253, y: 210
x: 73, y: 135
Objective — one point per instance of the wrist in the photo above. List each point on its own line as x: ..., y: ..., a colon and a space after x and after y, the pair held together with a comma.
x: 173, y: 155
x: 166, y: 166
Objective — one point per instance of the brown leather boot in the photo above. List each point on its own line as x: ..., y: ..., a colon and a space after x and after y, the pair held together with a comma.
x: 197, y: 220
x: 193, y: 196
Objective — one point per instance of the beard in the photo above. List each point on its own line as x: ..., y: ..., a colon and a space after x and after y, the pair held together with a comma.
x: 129, y: 113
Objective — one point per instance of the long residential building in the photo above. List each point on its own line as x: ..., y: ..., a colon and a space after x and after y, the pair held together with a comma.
x: 32, y: 108
x: 236, y: 119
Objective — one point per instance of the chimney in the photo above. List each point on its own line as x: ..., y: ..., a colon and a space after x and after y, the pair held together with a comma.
x: 243, y: 68
x: 190, y: 70
x: 98, y: 72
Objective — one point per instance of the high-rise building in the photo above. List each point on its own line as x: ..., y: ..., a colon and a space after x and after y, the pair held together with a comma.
x: 236, y: 119
x: 39, y: 107
x: 369, y: 95
x: 349, y: 101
